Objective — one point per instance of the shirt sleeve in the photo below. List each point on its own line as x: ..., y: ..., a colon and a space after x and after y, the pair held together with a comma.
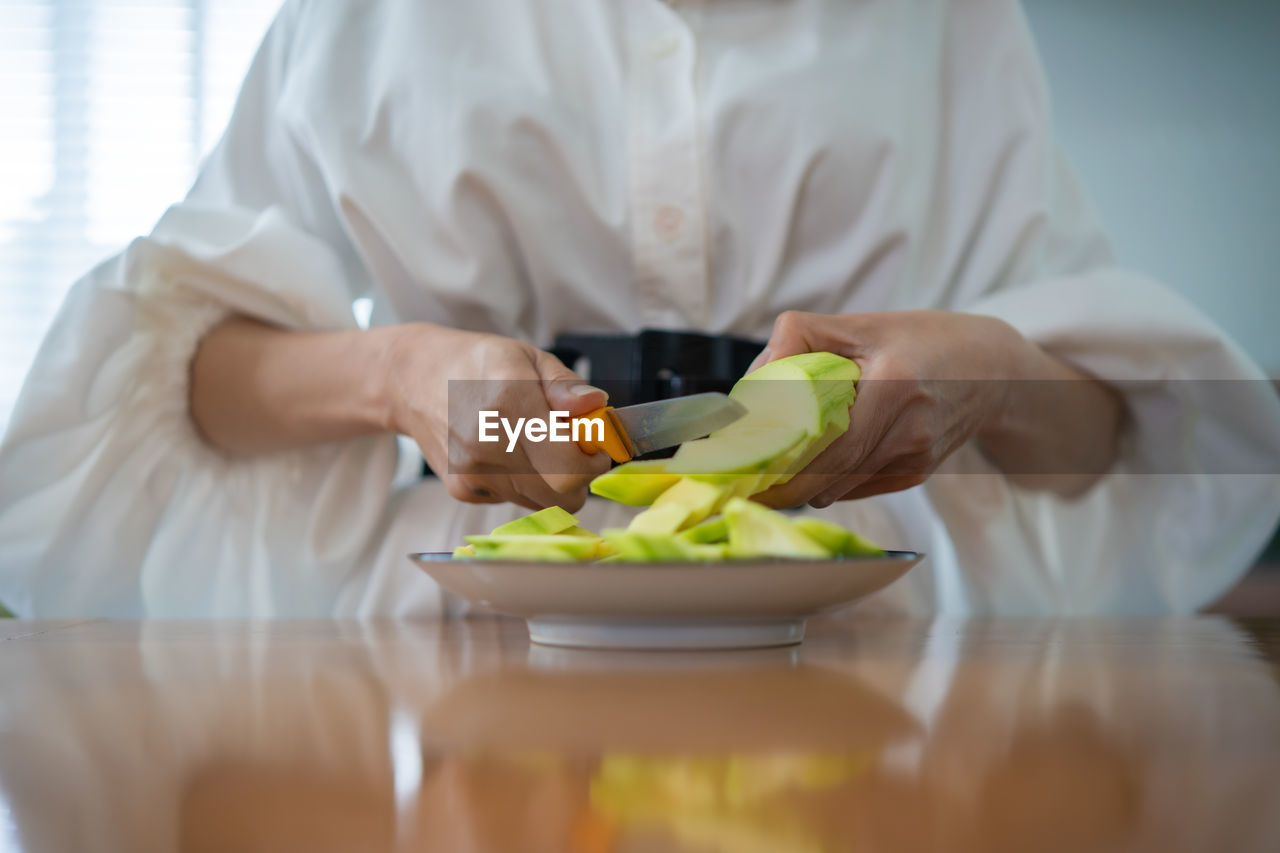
x: 111, y: 504
x: 1196, y: 491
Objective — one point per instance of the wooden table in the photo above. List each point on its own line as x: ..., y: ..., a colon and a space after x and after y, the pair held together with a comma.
x: 873, y: 735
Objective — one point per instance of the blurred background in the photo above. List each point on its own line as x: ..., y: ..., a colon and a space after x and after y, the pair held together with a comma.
x: 1167, y: 108
x: 106, y: 107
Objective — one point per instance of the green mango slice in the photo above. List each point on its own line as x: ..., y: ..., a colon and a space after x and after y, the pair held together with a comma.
x: 632, y: 547
x: 683, y: 505
x: 635, y: 483
x: 553, y: 519
x: 726, y: 456
x: 757, y: 531
x: 550, y: 547
x: 796, y: 406
x: 838, y: 541
x: 712, y: 530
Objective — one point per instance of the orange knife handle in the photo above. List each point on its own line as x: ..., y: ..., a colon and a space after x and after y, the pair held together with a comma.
x: 614, y: 442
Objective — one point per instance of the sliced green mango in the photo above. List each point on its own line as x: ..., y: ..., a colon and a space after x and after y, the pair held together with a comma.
x: 805, y: 391
x: 683, y: 505
x: 552, y: 547
x: 553, y: 519
x: 838, y: 541
x: 712, y: 530
x: 635, y: 546
x: 711, y: 551
x: 632, y: 547
x: 463, y: 552
x: 798, y: 459
x: 635, y: 483
x: 728, y: 455
x: 757, y: 531
x: 813, y: 390
x: 796, y: 407
x: 663, y: 519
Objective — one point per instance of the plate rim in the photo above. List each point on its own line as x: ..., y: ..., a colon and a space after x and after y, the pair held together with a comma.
x: 623, y: 594
x: 890, y: 555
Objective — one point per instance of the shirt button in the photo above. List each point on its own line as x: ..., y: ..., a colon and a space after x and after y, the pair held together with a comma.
x: 665, y: 46
x: 668, y: 221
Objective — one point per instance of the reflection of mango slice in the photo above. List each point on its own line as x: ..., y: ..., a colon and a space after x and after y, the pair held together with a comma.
x: 593, y: 832
x: 733, y: 803
x: 749, y: 780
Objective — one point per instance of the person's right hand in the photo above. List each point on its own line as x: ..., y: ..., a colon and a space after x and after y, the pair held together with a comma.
x: 513, y: 378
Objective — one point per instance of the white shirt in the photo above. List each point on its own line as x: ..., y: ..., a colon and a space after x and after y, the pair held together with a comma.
x: 578, y: 165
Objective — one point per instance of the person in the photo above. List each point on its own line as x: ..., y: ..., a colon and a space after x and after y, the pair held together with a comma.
x: 208, y: 430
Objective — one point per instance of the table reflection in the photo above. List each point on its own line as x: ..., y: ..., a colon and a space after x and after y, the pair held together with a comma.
x: 461, y: 737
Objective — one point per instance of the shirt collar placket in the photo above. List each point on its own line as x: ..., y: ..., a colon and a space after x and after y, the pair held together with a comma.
x: 668, y: 213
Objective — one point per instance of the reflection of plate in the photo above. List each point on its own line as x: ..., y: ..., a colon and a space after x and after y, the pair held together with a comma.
x: 667, y: 605
x: 715, y: 708
x: 565, y: 658
x: 731, y: 752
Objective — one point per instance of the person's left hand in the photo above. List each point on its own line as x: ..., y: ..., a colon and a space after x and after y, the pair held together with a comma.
x: 931, y: 380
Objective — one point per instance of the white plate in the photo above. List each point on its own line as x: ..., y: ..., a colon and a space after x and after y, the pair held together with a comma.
x: 735, y: 604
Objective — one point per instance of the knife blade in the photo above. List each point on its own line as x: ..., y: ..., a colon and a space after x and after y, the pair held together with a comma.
x: 636, y: 430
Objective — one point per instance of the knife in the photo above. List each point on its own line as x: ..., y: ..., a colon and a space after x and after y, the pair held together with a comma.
x: 635, y: 430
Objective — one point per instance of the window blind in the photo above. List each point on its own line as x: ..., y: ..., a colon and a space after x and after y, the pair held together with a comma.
x: 106, y: 108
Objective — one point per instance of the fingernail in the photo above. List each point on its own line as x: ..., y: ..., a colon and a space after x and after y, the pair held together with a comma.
x: 585, y: 390
x: 761, y: 360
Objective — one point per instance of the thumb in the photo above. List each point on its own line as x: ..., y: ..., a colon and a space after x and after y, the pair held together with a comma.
x: 564, y: 389
x: 790, y: 336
